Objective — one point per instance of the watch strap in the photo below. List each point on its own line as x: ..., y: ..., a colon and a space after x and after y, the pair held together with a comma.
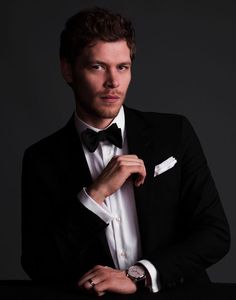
x: 140, y: 283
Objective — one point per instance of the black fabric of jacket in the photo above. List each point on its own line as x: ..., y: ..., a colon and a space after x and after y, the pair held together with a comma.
x: 181, y: 220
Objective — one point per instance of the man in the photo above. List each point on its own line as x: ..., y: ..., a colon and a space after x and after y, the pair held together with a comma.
x: 117, y: 200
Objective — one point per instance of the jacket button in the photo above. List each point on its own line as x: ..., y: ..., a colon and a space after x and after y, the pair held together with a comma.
x: 171, y: 284
x: 181, y: 280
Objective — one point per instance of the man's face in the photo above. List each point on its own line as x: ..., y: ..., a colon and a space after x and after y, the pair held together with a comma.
x: 100, y: 78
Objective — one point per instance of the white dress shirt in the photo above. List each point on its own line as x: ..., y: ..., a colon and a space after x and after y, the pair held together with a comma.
x: 119, y: 209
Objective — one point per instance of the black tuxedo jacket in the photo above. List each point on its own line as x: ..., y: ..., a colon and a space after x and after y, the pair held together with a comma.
x: 182, y: 223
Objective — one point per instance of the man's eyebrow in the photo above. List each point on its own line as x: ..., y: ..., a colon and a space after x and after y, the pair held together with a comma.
x: 125, y: 63
x: 104, y: 63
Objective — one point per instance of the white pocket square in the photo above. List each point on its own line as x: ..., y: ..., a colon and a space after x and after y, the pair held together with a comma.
x: 164, y: 166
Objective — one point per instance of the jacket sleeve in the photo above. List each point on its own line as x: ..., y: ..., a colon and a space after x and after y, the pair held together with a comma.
x: 206, y: 235
x: 58, y: 232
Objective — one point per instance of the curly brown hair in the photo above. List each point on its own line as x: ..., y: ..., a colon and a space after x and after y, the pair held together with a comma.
x: 88, y: 26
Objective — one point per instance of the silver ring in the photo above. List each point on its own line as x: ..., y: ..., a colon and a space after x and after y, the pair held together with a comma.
x: 91, y: 282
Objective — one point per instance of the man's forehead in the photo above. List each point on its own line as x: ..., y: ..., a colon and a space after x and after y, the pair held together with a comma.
x: 108, y: 51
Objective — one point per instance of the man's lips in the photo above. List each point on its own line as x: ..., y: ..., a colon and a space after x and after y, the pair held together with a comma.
x: 110, y: 98
x: 114, y: 97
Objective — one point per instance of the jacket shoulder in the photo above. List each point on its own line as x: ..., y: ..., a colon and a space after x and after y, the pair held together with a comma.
x: 49, y: 144
x: 160, y: 120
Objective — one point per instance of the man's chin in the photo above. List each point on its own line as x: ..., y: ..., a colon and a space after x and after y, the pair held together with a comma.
x: 108, y: 113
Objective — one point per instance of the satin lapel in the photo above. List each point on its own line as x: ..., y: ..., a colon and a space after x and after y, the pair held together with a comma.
x: 137, y: 133
x: 73, y: 159
x: 76, y: 169
x: 139, y: 143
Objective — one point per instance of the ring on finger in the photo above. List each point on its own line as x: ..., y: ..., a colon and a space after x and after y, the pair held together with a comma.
x: 91, y: 282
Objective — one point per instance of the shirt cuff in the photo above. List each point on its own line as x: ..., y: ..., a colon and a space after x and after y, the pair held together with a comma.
x: 155, y: 284
x: 93, y: 206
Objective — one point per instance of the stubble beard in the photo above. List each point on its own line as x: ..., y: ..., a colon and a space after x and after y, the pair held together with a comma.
x: 106, y: 111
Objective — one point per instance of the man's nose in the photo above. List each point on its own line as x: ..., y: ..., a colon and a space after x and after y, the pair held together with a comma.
x: 112, y: 80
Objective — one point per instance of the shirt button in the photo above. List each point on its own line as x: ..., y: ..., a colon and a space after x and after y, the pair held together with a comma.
x: 123, y: 253
x: 118, y: 219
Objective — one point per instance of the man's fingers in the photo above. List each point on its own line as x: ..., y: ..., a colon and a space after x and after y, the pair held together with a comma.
x: 97, y: 267
x: 102, y: 286
x: 91, y: 280
x: 130, y: 163
x: 101, y: 293
x: 103, y: 280
x: 115, y: 174
x: 85, y: 277
x: 139, y: 181
x: 128, y: 167
x: 96, y: 275
x: 125, y: 157
x: 117, y: 160
x: 136, y: 169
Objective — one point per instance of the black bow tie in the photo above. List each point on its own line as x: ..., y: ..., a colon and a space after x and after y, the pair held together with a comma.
x: 92, y: 138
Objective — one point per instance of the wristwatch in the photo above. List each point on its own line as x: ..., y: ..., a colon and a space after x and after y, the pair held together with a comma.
x: 136, y: 273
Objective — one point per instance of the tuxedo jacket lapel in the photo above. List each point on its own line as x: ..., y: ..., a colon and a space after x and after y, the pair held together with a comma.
x: 77, y: 172
x: 140, y: 142
x: 74, y: 166
x: 150, y: 144
x: 144, y: 140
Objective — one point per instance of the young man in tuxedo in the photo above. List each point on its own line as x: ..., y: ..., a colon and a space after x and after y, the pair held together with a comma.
x: 117, y: 199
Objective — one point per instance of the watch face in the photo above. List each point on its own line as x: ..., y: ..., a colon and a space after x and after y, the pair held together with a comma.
x: 136, y: 272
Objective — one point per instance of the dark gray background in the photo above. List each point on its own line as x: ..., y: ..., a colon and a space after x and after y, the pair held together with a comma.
x: 184, y: 65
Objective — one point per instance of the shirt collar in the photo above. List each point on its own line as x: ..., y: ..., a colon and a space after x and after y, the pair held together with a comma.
x: 119, y: 120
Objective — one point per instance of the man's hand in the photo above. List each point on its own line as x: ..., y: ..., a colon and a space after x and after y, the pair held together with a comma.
x: 101, y: 279
x: 118, y: 170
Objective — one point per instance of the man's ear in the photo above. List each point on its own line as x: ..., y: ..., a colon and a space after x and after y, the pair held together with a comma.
x: 66, y: 70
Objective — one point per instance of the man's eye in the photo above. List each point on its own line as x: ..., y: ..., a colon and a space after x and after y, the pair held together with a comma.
x: 123, y: 67
x: 97, y: 67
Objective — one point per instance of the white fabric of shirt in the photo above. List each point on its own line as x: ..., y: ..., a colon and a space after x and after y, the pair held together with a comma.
x: 119, y: 209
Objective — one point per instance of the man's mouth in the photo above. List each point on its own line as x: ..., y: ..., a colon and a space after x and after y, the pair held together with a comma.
x: 114, y: 97
x: 110, y: 98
